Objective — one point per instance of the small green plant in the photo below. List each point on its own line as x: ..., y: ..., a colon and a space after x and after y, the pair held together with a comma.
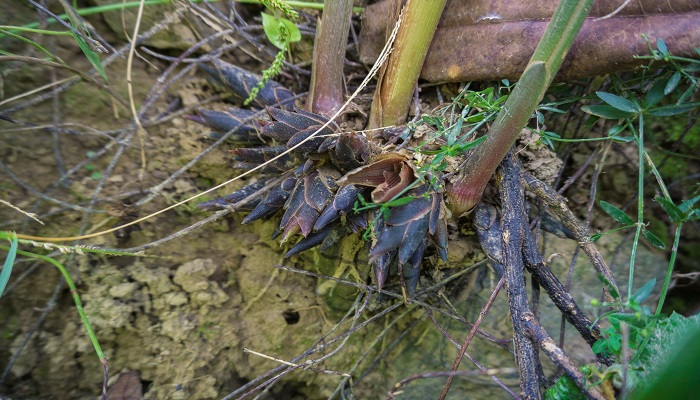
x: 638, y: 319
x: 456, y: 128
x: 384, y: 209
x: 280, y: 32
x: 94, y: 174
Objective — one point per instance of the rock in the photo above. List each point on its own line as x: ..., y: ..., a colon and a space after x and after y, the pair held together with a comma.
x: 123, y: 290
x: 177, y: 36
x: 192, y: 276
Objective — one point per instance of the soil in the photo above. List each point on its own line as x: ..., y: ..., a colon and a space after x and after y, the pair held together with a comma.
x: 191, y: 317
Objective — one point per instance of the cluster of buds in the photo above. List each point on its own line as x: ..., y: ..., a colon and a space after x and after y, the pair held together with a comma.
x: 314, y: 175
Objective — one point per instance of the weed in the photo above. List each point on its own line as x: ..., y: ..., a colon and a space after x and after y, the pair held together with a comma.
x: 280, y: 32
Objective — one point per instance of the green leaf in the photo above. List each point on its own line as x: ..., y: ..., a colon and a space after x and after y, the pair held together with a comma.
x: 615, y: 295
x: 550, y: 134
x: 686, y: 95
x: 564, y: 389
x: 643, y: 292
x: 661, y: 45
x: 667, y: 111
x: 606, y: 112
x: 280, y: 31
x: 93, y: 57
x: 614, y: 343
x: 434, y: 121
x: 618, y: 102
x: 672, y: 83
x: 634, y: 321
x: 362, y: 200
x: 399, y: 202
x: 674, y: 212
x: 386, y: 213
x: 616, y: 213
x: 616, y: 130
x: 457, y: 128
x: 596, y: 237
x: 687, y: 205
x: 294, y: 32
x: 552, y: 109
x: 7, y: 266
x: 653, y: 239
x: 656, y: 92
x: 600, y: 346
x: 672, y: 350
x: 622, y: 139
x: 695, y: 215
x: 469, y: 145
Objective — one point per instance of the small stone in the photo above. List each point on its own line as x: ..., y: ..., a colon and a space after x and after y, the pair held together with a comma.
x: 157, y: 280
x: 213, y: 296
x: 192, y: 276
x: 123, y: 290
x: 176, y: 298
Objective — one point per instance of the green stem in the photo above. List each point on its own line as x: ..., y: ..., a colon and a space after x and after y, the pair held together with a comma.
x: 669, y: 272
x: 326, y: 93
x: 528, y: 92
x: 640, y: 203
x: 578, y: 140
x: 397, y: 82
x: 30, y: 42
x: 74, y: 293
x: 32, y: 30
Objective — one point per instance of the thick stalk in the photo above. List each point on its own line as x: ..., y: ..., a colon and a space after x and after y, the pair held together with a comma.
x: 398, y: 80
x: 326, y: 94
x: 466, y: 191
x: 513, y: 228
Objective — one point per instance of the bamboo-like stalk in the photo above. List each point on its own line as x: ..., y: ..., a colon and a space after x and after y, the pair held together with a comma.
x: 326, y: 93
x: 467, y: 189
x: 398, y: 80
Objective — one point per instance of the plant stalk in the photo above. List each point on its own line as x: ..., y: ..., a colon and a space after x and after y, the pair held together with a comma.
x: 640, y: 203
x: 567, y: 20
x: 669, y: 273
x: 326, y: 93
x: 397, y: 81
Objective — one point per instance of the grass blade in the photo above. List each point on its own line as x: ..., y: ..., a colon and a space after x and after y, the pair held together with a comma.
x: 7, y: 267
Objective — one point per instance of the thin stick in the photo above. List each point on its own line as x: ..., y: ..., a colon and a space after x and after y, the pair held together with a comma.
x: 469, y: 337
x: 557, y: 204
x: 291, y: 364
x: 28, y: 214
x: 396, y: 390
x: 130, y: 89
x: 469, y: 356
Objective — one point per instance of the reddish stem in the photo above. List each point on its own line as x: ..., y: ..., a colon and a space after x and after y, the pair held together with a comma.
x: 326, y: 94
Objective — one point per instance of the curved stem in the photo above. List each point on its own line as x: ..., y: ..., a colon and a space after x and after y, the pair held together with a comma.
x: 672, y: 261
x: 567, y: 20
